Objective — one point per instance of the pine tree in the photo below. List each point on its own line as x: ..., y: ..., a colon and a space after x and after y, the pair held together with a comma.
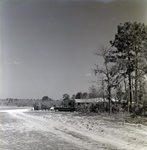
x: 130, y: 42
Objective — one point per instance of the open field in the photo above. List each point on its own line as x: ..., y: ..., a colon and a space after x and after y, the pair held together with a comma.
x: 40, y: 130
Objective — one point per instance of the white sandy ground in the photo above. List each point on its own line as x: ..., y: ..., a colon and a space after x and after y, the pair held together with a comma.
x: 89, y: 132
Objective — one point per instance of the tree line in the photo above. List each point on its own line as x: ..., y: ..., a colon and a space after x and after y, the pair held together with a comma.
x: 93, y: 93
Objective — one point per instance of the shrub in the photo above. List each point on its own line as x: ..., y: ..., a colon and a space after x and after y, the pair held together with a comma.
x: 36, y: 106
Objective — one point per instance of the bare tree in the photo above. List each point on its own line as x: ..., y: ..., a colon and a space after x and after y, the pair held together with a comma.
x: 109, y: 71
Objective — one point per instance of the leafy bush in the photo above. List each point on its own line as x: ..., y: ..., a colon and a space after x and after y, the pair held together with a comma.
x: 36, y: 106
x: 45, y: 107
x: 83, y: 108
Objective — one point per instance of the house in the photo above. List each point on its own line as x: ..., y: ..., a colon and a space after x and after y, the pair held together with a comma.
x: 89, y: 101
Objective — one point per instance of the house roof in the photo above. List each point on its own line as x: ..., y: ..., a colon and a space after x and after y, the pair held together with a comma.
x: 91, y: 100
x: 96, y: 100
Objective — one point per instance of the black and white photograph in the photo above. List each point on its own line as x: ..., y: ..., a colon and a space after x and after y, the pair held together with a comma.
x: 73, y: 74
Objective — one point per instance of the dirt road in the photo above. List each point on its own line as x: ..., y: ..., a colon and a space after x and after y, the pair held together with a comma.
x: 62, y: 131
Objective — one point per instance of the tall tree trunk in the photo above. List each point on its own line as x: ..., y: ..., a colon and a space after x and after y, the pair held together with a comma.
x: 130, y: 91
x: 126, y: 93
x: 136, y: 76
x: 136, y: 87
x: 130, y: 84
x: 109, y: 98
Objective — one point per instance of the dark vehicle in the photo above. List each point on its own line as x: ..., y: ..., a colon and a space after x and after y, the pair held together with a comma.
x: 64, y: 109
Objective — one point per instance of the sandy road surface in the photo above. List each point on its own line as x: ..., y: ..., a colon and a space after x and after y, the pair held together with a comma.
x: 68, y: 132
